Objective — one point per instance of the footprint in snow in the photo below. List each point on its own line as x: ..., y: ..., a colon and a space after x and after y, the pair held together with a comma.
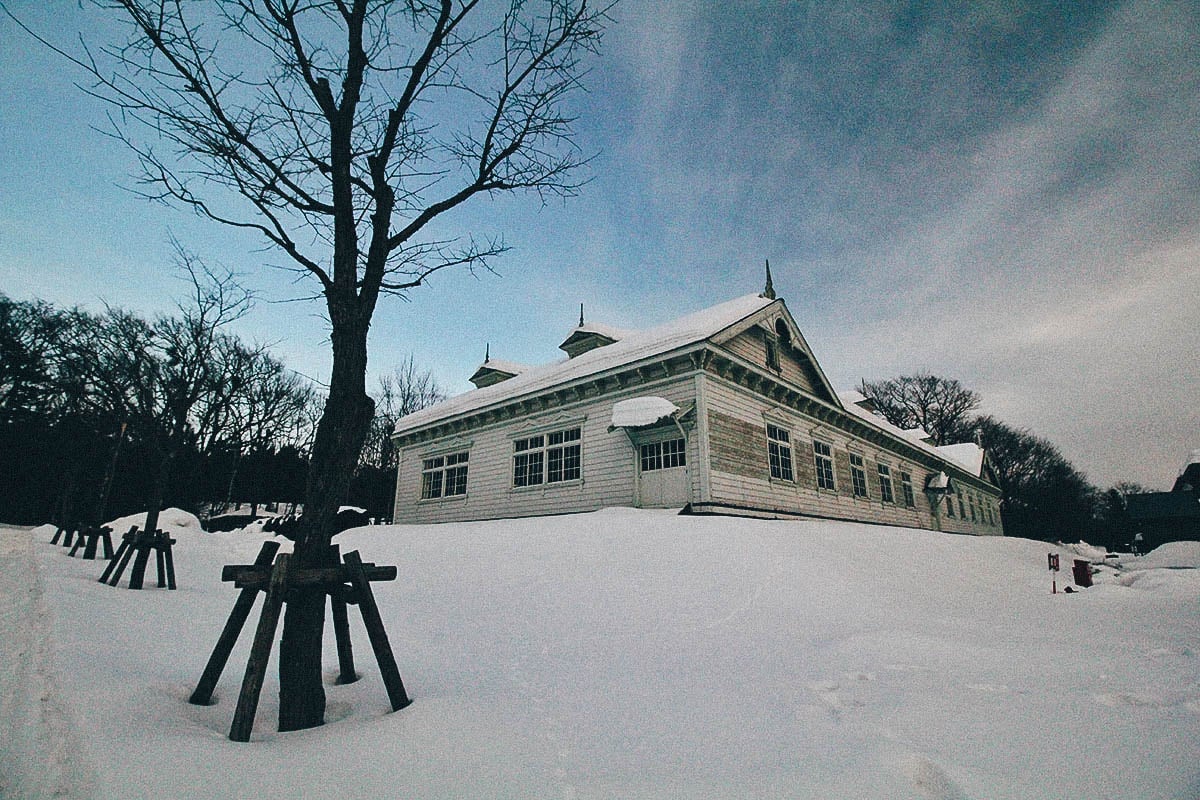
x: 931, y: 780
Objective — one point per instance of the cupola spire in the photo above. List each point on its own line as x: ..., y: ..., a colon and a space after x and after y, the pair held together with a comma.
x: 487, y: 352
x: 768, y: 290
x: 581, y: 315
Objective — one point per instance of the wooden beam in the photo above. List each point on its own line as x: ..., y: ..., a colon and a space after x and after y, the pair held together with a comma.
x: 254, y: 576
x: 260, y: 653
x: 229, y: 634
x: 376, y: 632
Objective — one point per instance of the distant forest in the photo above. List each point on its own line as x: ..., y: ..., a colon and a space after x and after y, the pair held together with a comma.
x: 105, y: 414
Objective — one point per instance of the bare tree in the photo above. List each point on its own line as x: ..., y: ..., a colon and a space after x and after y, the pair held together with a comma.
x: 267, y: 401
x: 404, y: 390
x: 340, y: 130
x: 31, y: 334
x: 943, y: 407
x: 155, y: 375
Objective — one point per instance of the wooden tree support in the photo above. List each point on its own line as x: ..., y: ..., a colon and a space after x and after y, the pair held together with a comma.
x: 93, y: 537
x: 347, y: 583
x: 140, y: 543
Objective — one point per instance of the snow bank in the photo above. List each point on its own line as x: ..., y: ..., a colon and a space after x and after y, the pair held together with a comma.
x: 172, y: 520
x: 1083, y: 550
x: 1172, y: 555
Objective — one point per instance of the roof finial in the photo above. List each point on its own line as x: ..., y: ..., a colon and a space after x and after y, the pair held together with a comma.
x: 769, y: 290
x: 487, y: 352
x: 581, y: 315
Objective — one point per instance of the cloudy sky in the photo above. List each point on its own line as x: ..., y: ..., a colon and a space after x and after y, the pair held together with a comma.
x: 1007, y: 195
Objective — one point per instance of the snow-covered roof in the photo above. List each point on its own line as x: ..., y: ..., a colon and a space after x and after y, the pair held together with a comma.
x: 856, y: 398
x: 959, y: 454
x: 635, y: 346
x: 638, y: 411
x: 616, y: 334
x: 500, y: 365
x: 917, y: 434
x: 968, y: 455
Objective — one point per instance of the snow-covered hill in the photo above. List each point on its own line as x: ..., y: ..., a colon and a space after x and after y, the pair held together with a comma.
x: 631, y: 654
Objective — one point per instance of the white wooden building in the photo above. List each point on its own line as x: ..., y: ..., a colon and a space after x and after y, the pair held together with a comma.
x: 722, y: 411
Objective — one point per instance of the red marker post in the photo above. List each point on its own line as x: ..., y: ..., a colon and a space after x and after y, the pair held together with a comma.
x: 1052, y: 559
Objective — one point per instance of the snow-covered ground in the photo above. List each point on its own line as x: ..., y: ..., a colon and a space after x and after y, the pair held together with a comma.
x: 630, y: 654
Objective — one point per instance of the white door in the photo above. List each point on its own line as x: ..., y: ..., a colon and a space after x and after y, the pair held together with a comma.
x: 662, y: 474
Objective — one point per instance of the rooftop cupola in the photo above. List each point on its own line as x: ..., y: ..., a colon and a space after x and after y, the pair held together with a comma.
x: 588, y: 336
x: 493, y: 370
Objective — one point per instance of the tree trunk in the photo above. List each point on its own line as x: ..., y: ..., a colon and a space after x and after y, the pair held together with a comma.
x: 340, y: 436
x: 154, y: 503
x: 237, y: 458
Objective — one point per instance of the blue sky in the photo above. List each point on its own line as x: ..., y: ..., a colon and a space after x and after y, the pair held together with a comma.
x: 1007, y: 194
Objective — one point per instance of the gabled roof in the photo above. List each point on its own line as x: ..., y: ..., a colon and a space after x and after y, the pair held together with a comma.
x: 798, y: 344
x: 636, y: 346
x: 967, y: 454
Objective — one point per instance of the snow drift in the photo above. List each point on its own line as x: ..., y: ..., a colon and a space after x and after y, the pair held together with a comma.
x: 641, y: 654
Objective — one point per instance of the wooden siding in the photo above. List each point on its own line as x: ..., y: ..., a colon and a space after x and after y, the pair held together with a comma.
x: 733, y: 412
x: 735, y: 446
x: 752, y: 347
x: 608, y: 466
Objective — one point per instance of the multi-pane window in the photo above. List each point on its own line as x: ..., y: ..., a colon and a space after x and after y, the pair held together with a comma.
x: 562, y: 456
x: 779, y: 453
x: 444, y: 476
x: 885, y: 484
x: 663, y: 455
x: 823, y: 459
x: 547, y: 458
x: 906, y: 487
x: 858, y: 475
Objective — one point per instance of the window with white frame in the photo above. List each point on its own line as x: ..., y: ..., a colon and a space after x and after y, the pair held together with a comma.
x: 858, y: 475
x: 663, y: 455
x: 547, y: 458
x: 779, y: 453
x: 906, y: 488
x: 823, y: 460
x: 444, y: 476
x: 885, y: 484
